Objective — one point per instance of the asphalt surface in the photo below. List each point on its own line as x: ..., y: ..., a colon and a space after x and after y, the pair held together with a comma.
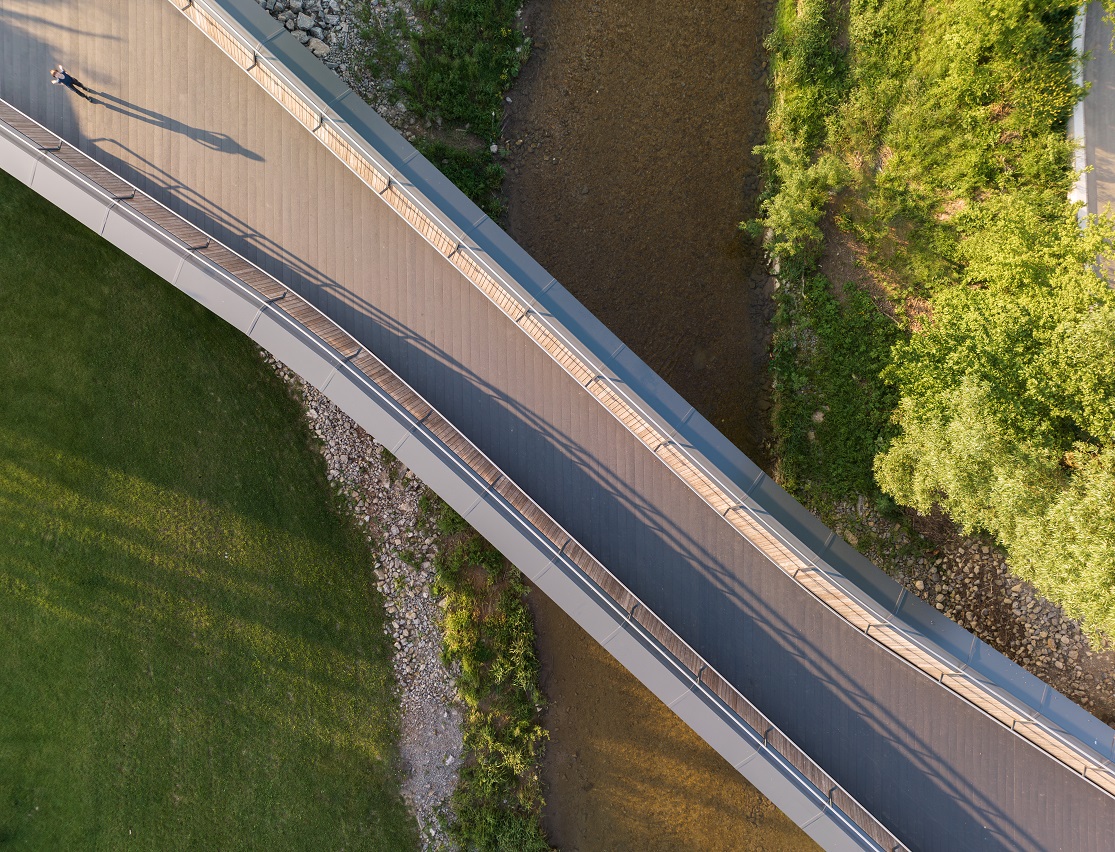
x: 1099, y: 110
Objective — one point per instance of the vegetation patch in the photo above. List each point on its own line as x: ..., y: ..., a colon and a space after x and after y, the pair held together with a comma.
x: 928, y: 140
x: 475, y: 172
x: 833, y: 410
x: 454, y: 64
x: 467, y: 54
x: 387, y: 37
x: 489, y: 642
x: 193, y: 651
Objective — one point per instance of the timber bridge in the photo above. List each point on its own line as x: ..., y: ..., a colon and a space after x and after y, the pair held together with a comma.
x: 227, y: 159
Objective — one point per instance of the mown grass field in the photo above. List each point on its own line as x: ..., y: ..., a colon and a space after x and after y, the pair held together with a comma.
x: 191, y: 654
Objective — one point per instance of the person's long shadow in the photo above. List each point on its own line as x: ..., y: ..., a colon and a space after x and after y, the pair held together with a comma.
x: 208, y: 138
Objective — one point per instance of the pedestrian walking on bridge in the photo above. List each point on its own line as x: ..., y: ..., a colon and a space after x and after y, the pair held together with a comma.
x: 59, y: 76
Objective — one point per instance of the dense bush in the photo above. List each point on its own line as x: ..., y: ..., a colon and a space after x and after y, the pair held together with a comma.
x: 1008, y: 403
x: 455, y: 65
x: 809, y: 74
x: 934, y: 136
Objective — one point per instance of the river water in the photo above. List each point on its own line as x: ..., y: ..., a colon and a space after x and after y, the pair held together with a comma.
x: 630, y: 133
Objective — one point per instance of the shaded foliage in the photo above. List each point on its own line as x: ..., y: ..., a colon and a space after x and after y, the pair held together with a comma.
x: 942, y: 128
x: 467, y: 53
x: 833, y: 411
x: 473, y: 172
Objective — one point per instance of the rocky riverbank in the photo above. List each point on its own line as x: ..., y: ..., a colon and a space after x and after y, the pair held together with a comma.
x: 968, y: 579
x: 344, y: 33
x: 315, y: 23
x: 384, y: 498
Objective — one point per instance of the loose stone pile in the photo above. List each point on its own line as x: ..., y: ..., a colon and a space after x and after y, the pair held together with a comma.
x: 968, y: 580
x: 383, y: 497
x: 333, y: 31
x: 315, y: 23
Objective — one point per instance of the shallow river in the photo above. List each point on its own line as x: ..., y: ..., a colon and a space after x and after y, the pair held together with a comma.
x: 631, y: 130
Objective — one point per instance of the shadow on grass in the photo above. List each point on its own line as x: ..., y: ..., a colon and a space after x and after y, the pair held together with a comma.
x: 187, y: 646
x: 193, y: 653
x: 124, y: 554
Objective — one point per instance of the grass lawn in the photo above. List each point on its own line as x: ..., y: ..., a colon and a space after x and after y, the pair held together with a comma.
x: 191, y: 653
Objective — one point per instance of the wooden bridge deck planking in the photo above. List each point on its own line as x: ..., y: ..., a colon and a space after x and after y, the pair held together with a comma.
x: 183, y: 122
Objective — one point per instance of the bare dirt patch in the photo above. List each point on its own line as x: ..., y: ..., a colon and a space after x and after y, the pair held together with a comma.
x: 846, y: 260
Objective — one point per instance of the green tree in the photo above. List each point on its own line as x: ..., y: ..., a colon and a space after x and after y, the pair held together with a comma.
x: 1007, y: 400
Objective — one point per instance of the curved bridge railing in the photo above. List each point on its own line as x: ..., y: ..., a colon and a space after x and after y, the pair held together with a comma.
x: 321, y: 352
x: 897, y: 622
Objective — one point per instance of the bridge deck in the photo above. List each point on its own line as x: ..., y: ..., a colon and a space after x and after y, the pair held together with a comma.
x: 185, y: 124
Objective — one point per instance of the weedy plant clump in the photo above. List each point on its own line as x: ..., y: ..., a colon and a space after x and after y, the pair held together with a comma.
x: 489, y: 642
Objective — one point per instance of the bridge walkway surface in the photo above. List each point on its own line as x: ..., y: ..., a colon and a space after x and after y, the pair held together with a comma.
x: 183, y: 122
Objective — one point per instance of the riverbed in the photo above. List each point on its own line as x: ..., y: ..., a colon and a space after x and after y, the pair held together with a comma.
x: 630, y: 132
x: 630, y: 135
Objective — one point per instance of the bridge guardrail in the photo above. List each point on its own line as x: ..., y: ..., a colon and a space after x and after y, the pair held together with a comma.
x: 271, y: 295
x: 807, y: 570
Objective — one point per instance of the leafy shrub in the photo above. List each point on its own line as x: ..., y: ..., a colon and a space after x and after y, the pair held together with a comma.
x: 474, y: 172
x: 809, y: 74
x: 489, y: 634
x: 1007, y: 404
x: 833, y: 411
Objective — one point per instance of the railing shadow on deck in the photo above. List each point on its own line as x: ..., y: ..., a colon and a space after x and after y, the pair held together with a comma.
x: 24, y: 22
x: 780, y: 645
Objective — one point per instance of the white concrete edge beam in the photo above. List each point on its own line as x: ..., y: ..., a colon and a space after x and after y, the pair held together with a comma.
x: 1079, y: 191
